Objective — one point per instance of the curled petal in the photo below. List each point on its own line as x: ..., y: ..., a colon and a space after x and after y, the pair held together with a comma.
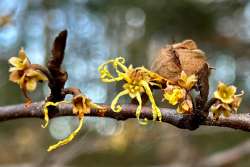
x: 187, y: 82
x: 138, y: 110
x: 11, y: 69
x: 68, y: 139
x: 117, y: 63
x: 15, y: 61
x: 21, y: 62
x: 79, y: 105
x: 46, y: 112
x: 29, y: 79
x: 118, y: 108
x: 155, y: 84
x: 185, y: 107
x: 26, y: 62
x: 156, y: 78
x: 156, y: 111
x: 106, y: 76
x: 15, y: 77
x: 22, y: 54
x: 220, y: 108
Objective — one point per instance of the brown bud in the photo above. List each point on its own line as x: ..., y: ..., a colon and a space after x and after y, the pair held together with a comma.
x: 173, y: 59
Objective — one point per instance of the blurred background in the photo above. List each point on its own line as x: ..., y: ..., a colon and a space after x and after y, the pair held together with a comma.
x: 103, y: 29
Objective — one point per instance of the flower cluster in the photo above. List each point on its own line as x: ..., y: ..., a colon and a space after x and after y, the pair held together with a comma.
x: 227, y: 100
x: 140, y: 80
x: 137, y: 80
x: 24, y: 74
x: 81, y: 105
x: 179, y: 93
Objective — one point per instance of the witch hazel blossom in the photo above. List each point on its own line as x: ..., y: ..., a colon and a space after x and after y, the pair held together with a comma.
x: 177, y: 71
x: 174, y: 94
x: 179, y: 93
x: 227, y: 100
x: 80, y: 105
x: 23, y: 73
x: 225, y: 93
x: 187, y: 82
x: 26, y: 75
x: 137, y: 80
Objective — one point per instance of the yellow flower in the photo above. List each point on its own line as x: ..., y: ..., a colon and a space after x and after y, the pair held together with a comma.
x: 227, y: 102
x: 81, y: 105
x: 225, y: 93
x: 19, y: 63
x: 174, y: 94
x: 30, y: 78
x: 138, y: 80
x: 23, y: 74
x: 187, y: 82
x: 185, y: 107
x: 220, y: 108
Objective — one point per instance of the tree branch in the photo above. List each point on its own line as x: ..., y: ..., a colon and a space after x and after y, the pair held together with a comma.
x: 235, y: 121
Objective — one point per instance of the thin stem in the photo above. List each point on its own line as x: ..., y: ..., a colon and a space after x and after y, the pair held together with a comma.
x: 72, y: 90
x: 44, y: 70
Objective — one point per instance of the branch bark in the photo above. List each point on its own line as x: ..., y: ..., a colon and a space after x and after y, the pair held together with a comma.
x: 235, y: 121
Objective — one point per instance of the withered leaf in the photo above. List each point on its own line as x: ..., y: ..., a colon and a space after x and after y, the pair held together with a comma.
x: 190, y: 60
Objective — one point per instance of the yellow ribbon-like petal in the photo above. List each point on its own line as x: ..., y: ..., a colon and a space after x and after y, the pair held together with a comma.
x: 118, y: 108
x: 46, y: 111
x: 155, y: 110
x: 68, y: 139
x: 117, y: 63
x: 138, y: 110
